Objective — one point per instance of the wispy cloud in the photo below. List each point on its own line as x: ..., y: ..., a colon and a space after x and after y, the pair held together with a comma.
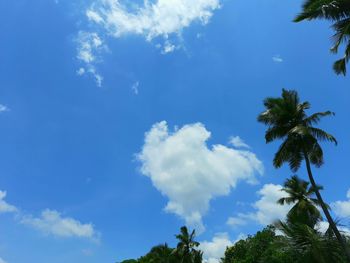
x: 53, y: 223
x: 184, y: 169
x: 266, y: 209
x: 4, y: 206
x: 135, y: 88
x: 277, y: 59
x: 90, y: 46
x: 3, y: 108
x: 237, y: 142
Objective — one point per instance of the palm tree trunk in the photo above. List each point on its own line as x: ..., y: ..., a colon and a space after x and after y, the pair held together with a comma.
x: 332, y: 225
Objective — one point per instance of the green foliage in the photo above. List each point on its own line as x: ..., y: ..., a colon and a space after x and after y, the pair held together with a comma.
x: 185, y: 252
x: 338, y: 12
x: 310, y: 245
x: 264, y: 246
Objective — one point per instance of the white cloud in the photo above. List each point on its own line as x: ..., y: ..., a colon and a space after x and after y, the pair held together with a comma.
x: 215, y: 249
x: 267, y: 210
x: 4, y: 206
x: 323, y: 227
x: 3, y: 108
x: 184, y: 169
x: 52, y: 223
x: 90, y: 45
x: 160, y: 18
x: 80, y: 71
x: 236, y: 141
x: 240, y: 220
x: 277, y: 59
x: 135, y: 88
x: 2, y: 260
x: 342, y: 208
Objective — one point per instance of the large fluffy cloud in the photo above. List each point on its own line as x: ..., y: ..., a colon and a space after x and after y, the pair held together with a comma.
x: 183, y: 168
x: 52, y: 223
x: 267, y: 210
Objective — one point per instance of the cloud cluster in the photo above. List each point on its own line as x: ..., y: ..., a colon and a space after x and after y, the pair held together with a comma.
x: 153, y: 19
x: 267, y: 210
x: 89, y: 47
x: 189, y: 173
x: 163, y: 19
x: 52, y: 223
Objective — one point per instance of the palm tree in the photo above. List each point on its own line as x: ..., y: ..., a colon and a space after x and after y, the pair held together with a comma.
x: 305, y: 209
x: 186, y: 248
x: 338, y: 12
x: 311, y: 245
x: 287, y: 120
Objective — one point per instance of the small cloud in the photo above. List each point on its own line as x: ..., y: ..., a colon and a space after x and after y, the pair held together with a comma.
x: 342, y: 208
x: 135, y: 88
x: 90, y: 45
x: 214, y: 250
x: 168, y: 47
x: 80, y: 71
x: 86, y: 252
x: 4, y: 206
x: 277, y: 59
x: 238, y: 142
x: 53, y: 223
x: 3, y: 108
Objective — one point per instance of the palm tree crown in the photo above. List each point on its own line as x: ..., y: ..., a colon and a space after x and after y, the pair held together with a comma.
x: 287, y: 120
x: 186, y: 248
x: 305, y: 209
x: 337, y: 11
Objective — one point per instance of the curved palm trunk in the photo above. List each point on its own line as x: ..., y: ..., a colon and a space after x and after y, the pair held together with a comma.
x: 325, y: 210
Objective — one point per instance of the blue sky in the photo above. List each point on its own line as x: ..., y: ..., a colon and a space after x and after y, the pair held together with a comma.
x: 82, y: 82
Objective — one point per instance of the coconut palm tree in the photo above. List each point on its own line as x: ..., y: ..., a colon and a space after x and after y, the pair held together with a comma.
x: 338, y: 12
x: 186, y: 248
x: 304, y: 210
x: 287, y: 120
x: 310, y: 245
